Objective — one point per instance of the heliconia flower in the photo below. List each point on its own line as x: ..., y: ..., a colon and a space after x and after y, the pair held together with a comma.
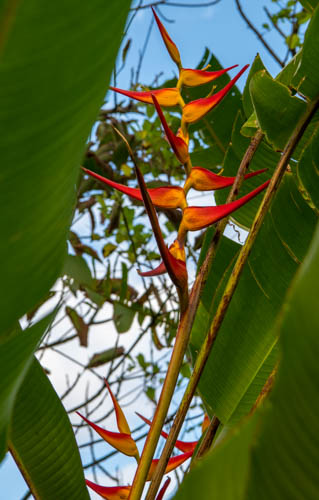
x: 178, y: 144
x: 195, y: 110
x: 163, y: 489
x: 185, y: 446
x: 195, y: 77
x: 121, y: 441
x: 176, y: 255
x: 195, y: 218
x: 172, y: 464
x: 204, y: 180
x: 110, y: 492
x: 165, y: 97
x: 163, y: 197
x: 170, y: 45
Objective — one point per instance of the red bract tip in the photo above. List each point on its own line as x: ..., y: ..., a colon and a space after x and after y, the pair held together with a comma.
x: 180, y: 445
x: 110, y: 492
x: 178, y: 145
x: 121, y: 421
x: 195, y: 218
x: 173, y: 463
x: 120, y: 441
x: 202, y: 179
x: 166, y: 97
x: 163, y: 197
x: 162, y: 491
x: 170, y: 45
x: 195, y: 77
x: 195, y: 110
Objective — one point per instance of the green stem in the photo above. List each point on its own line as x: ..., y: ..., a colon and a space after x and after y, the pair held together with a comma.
x: 228, y: 294
x: 181, y: 342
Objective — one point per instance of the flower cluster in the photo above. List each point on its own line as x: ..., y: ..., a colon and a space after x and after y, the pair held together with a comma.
x: 173, y: 197
x: 124, y: 443
x: 193, y: 218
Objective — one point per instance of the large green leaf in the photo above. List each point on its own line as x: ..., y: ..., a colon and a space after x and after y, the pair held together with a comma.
x: 56, y: 60
x: 285, y: 462
x: 16, y: 354
x: 244, y: 352
x: 223, y: 474
x: 276, y: 109
x: 274, y: 454
x: 42, y: 441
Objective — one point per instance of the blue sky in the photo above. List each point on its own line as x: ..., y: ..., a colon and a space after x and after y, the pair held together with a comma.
x: 221, y: 29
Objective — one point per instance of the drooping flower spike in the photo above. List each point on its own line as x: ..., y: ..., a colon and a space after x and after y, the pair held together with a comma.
x: 170, y: 45
x: 165, y: 97
x: 178, y: 144
x: 195, y: 218
x: 195, y: 110
x: 196, y: 77
x: 163, y: 197
x: 110, y: 492
x: 185, y: 446
x: 202, y: 179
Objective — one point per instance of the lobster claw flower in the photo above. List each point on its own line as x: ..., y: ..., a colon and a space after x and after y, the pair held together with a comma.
x: 195, y: 110
x: 121, y: 441
x: 195, y: 77
x: 172, y: 464
x: 179, y: 143
x: 195, y: 218
x: 165, y: 97
x: 110, y: 492
x: 176, y: 256
x: 170, y: 45
x: 163, y: 197
x: 184, y: 446
x: 202, y: 179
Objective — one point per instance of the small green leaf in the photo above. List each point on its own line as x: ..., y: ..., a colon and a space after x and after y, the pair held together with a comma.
x: 123, y: 317
x: 108, y: 249
x: 80, y: 326
x: 76, y: 267
x: 101, y: 358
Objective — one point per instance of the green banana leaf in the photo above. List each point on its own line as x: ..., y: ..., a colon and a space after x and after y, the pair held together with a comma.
x: 274, y: 454
x: 56, y: 60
